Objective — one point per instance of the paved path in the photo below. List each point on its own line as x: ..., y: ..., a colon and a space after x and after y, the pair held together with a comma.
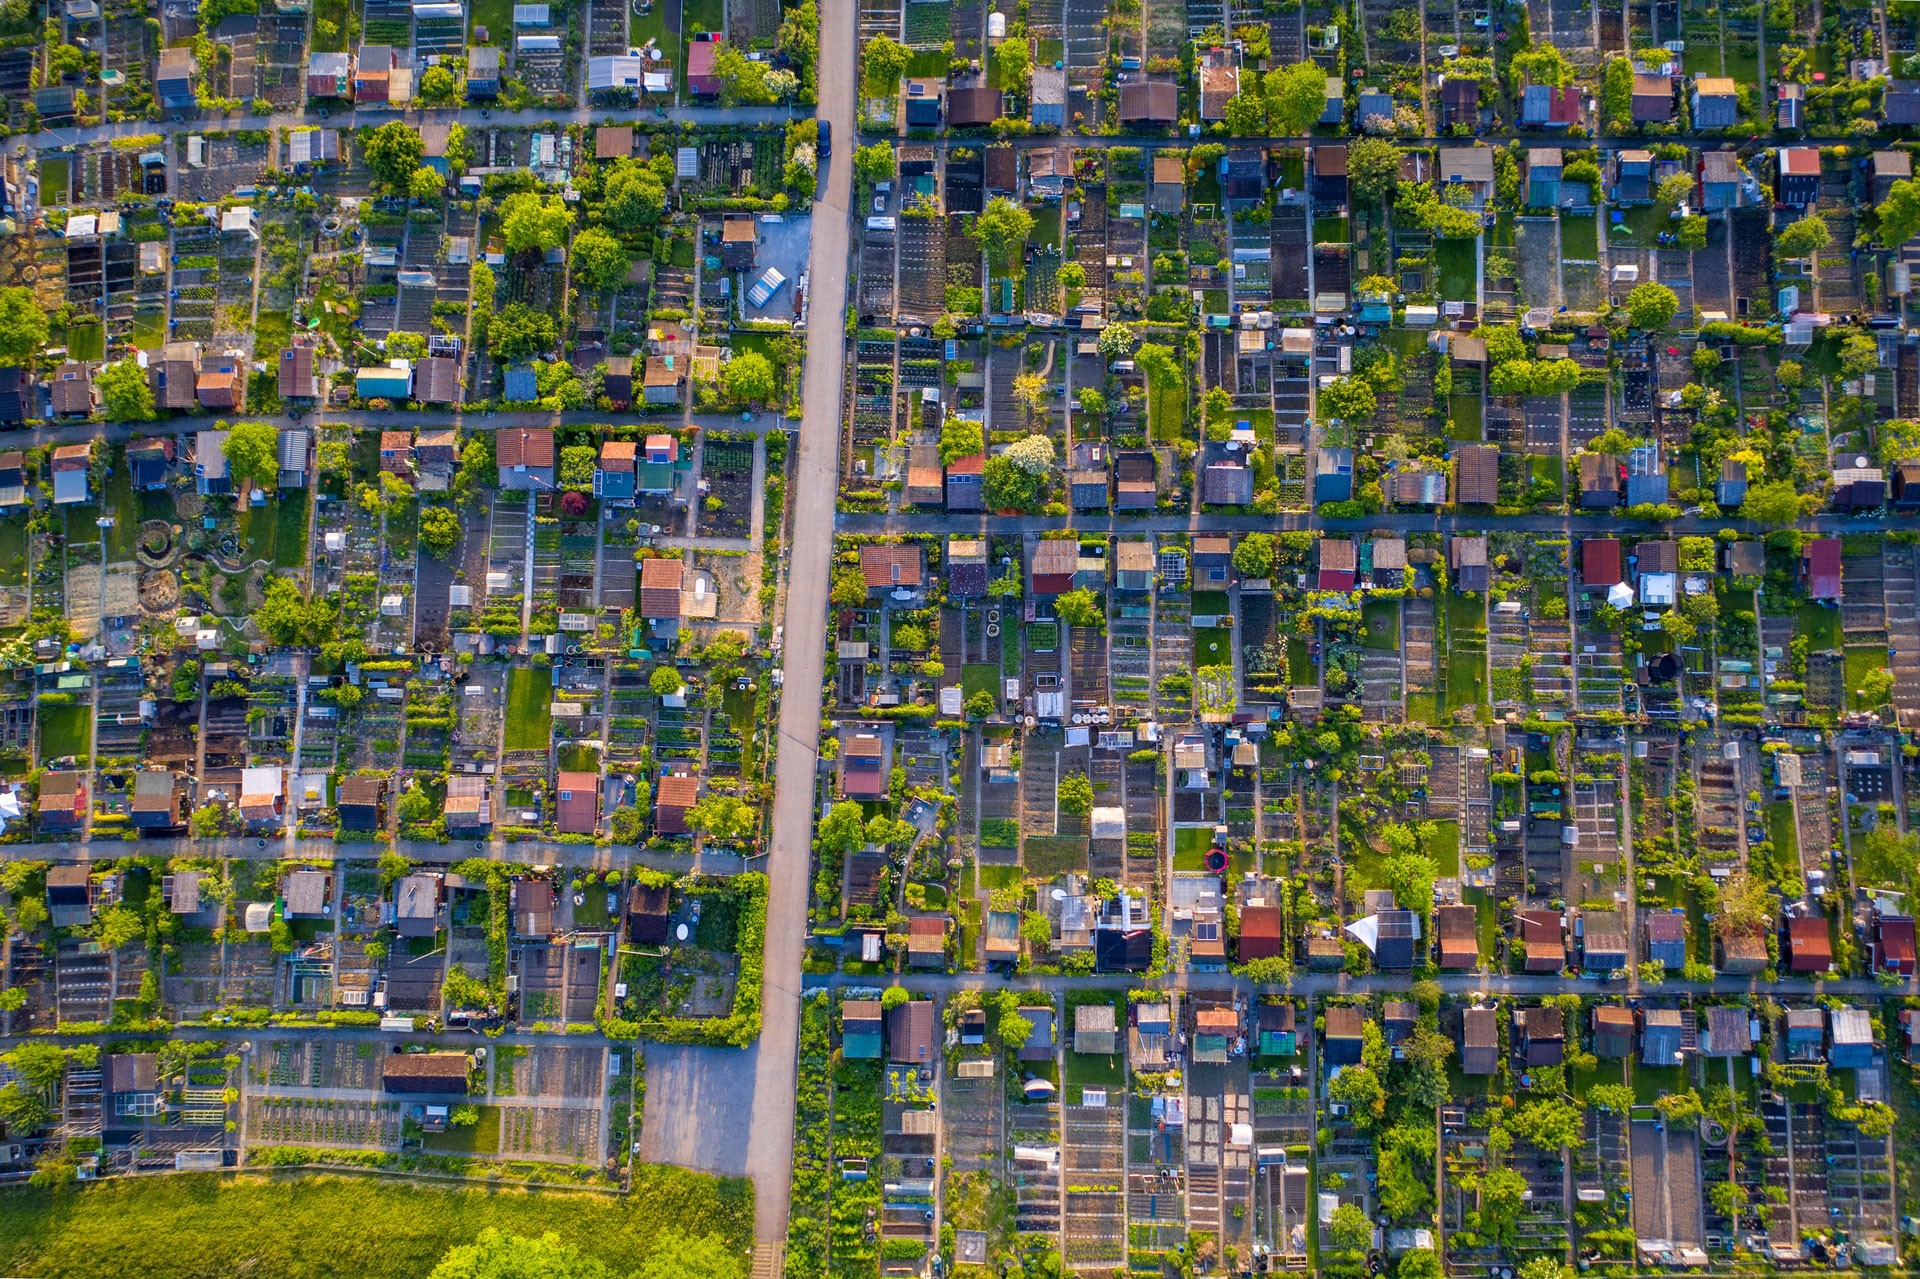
x: 526, y: 852
x: 814, y: 489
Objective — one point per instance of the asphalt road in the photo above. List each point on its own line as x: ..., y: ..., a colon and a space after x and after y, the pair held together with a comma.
x: 349, y: 117
x: 814, y: 489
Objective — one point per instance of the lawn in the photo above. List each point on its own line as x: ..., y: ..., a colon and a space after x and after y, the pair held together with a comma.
x: 13, y: 551
x: 1443, y: 845
x: 1300, y: 671
x: 289, y: 1226
x: 1049, y: 855
x: 1212, y: 646
x: 290, y: 532
x: 980, y: 677
x: 1579, y: 238
x: 330, y: 19
x: 1466, y: 415
x: 578, y: 759
x: 495, y: 15
x: 1190, y: 845
x: 1092, y: 1070
x: 1466, y: 650
x: 123, y: 505
x: 529, y: 708
x: 1459, y: 267
x: 86, y: 342
x: 701, y: 15
x: 1167, y: 408
x: 1860, y: 660
x: 149, y: 328
x: 482, y: 1138
x: 1383, y: 624
x: 1784, y: 835
x: 259, y: 529
x: 1821, y: 626
x: 65, y: 730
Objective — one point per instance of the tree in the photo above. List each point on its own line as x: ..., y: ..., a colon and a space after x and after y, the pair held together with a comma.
x: 744, y: 82
x: 1676, y: 189
x: 1859, y: 355
x: 21, y: 1109
x: 750, y: 379
x: 1350, y: 1231
x: 393, y: 151
x: 1117, y: 341
x: 519, y: 332
x: 1773, y: 502
x: 1543, y: 1268
x: 1360, y: 1091
x: 1373, y: 169
x: 1420, y: 1263
x: 1803, y: 239
x: 1652, y: 306
x: 1081, y: 608
x: 599, y: 259
x: 1076, y: 795
x: 843, y: 829
x: 883, y: 60
x: 1013, y: 61
x: 23, y: 325
x: 1296, y: 97
x: 439, y: 531
x: 1002, y: 229
x: 499, y: 1255
x: 117, y: 926
x: 635, y: 196
x: 1876, y: 687
x: 665, y: 681
x: 529, y: 221
x: 723, y: 817
x: 1246, y: 115
x: 1888, y: 858
x: 873, y: 164
x: 1255, y: 556
x: 252, y: 451
x: 1006, y: 487
x: 285, y: 617
x: 1617, y: 1098
x: 1543, y: 64
x: 1092, y: 403
x: 1032, y: 454
x: 425, y: 183
x: 125, y: 395
x: 437, y: 86
x: 1348, y: 399
x: 1899, y: 214
x: 1410, y: 877
x: 1549, y: 1123
x: 1745, y: 904
x: 1030, y: 392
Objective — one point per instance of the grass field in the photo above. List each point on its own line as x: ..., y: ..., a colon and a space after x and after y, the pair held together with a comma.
x: 482, y: 1138
x: 1383, y: 624
x: 289, y: 1226
x: 1466, y: 650
x: 1190, y: 845
x: 1459, y: 268
x: 66, y: 730
x: 290, y: 535
x: 980, y: 677
x: 1579, y: 237
x: 86, y: 342
x: 529, y: 709
x: 149, y: 328
x: 1861, y: 659
x: 1821, y: 626
x: 1211, y: 646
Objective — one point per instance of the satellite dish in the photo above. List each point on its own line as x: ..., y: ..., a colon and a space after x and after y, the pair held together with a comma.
x: 680, y: 932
